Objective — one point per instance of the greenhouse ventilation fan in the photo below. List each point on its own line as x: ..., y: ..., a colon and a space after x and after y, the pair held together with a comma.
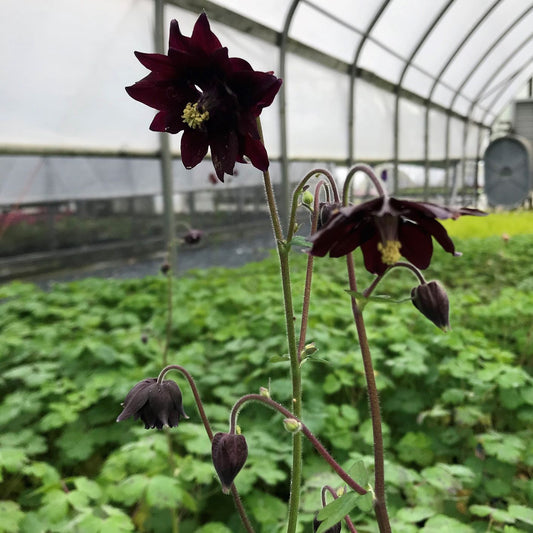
x: 508, y: 169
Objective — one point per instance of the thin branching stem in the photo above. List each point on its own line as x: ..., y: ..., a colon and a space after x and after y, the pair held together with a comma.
x: 347, y: 519
x: 375, y: 413
x: 304, y: 429
x: 369, y: 171
x: 236, y: 498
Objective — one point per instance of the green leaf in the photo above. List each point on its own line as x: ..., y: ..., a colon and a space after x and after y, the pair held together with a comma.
x: 336, y: 510
x: 163, y: 492
x: 415, y: 514
x: 522, y: 513
x: 359, y: 473
x: 298, y: 240
x: 11, y: 516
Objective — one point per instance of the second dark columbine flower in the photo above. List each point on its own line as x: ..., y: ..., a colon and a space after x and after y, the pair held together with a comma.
x: 229, y: 453
x: 386, y: 229
x: 214, y: 99
x: 156, y: 404
x: 432, y: 301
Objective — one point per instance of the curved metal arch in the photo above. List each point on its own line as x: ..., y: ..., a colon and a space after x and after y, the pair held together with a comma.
x: 467, y: 78
x: 284, y: 156
x: 396, y: 125
x: 353, y: 73
x: 459, y: 47
x: 481, y: 96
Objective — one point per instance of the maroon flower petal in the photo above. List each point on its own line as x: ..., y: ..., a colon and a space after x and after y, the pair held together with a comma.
x: 257, y: 153
x: 224, y: 150
x: 194, y: 147
x: 417, y: 246
x: 167, y: 122
x: 202, y: 35
x: 372, y: 255
x: 159, y: 63
x: 136, y: 398
x: 439, y: 232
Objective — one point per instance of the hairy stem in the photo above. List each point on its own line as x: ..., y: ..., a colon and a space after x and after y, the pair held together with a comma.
x: 375, y: 413
x: 369, y: 171
x: 236, y: 498
x: 304, y: 429
x: 296, y: 378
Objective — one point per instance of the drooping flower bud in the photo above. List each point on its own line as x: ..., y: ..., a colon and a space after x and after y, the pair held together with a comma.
x: 308, y: 198
x: 156, y: 404
x: 229, y: 453
x: 432, y: 301
x: 336, y: 528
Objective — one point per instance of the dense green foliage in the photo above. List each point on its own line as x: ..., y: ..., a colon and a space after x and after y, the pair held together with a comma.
x: 457, y: 407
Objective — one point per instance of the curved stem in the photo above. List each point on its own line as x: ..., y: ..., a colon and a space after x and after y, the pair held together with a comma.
x: 369, y: 171
x: 347, y: 519
x: 419, y: 276
x: 305, y: 430
x: 168, y: 333
x: 299, y: 189
x: 373, y: 399
x: 236, y: 498
x: 309, y: 275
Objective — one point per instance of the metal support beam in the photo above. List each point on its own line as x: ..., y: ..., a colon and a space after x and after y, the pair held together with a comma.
x: 167, y: 183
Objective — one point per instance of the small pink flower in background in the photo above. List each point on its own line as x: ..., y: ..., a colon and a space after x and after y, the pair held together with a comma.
x: 212, y: 98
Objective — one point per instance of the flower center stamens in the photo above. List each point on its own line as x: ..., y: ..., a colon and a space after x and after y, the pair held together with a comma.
x: 193, y: 117
x: 390, y: 251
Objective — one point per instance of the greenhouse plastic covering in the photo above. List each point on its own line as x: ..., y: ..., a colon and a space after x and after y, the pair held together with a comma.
x: 373, y: 80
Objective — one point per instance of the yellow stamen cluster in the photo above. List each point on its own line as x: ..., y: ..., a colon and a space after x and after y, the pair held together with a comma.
x: 193, y: 117
x: 390, y: 252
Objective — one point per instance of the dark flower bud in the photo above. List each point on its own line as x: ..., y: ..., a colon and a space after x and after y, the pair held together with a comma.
x: 333, y: 529
x: 229, y: 453
x: 432, y: 301
x: 144, y: 338
x: 193, y: 236
x: 326, y: 210
x: 165, y: 267
x: 156, y: 404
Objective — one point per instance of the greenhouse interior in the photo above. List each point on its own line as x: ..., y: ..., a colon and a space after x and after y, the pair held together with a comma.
x: 198, y: 197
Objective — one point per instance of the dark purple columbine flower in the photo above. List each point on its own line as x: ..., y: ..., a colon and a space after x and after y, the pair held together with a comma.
x: 214, y: 99
x: 432, y: 301
x: 156, y: 404
x: 229, y: 453
x: 387, y: 228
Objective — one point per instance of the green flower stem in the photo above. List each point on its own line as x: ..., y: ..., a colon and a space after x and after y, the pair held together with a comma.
x: 170, y: 276
x: 304, y: 429
x: 298, y: 190
x: 380, y: 506
x: 347, y: 519
x: 419, y: 276
x: 369, y: 171
x: 309, y: 269
x: 296, y: 378
x: 236, y: 498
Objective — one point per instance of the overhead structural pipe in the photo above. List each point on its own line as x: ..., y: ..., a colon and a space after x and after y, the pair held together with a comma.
x: 407, y: 64
x: 436, y: 82
x: 165, y: 157
x: 353, y: 73
x: 469, y: 76
x: 503, y: 86
x: 285, y: 181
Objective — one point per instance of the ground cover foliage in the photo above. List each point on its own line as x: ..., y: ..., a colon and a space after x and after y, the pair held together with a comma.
x: 457, y: 407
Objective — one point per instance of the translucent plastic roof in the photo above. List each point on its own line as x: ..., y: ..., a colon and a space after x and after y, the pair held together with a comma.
x: 370, y: 79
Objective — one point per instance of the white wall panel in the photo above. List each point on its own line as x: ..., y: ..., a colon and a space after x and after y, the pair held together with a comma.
x: 374, y: 111
x: 411, y: 136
